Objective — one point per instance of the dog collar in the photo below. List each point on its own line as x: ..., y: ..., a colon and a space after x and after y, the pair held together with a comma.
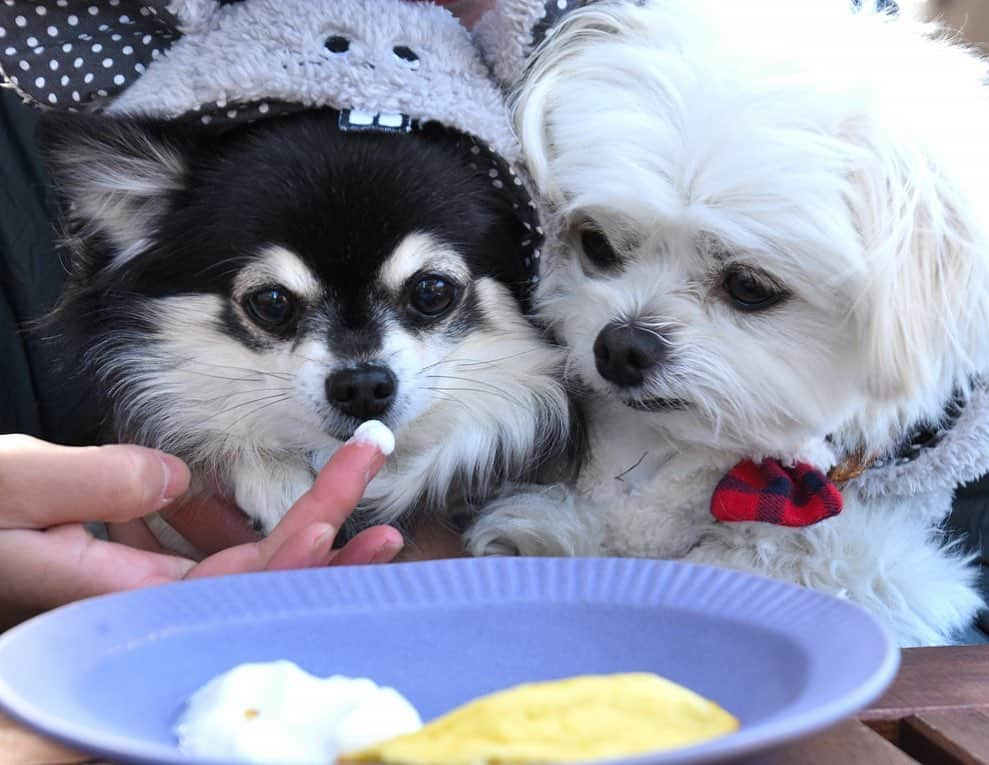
x: 802, y: 495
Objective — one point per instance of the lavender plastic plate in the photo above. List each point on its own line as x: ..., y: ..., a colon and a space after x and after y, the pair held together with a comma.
x: 109, y: 675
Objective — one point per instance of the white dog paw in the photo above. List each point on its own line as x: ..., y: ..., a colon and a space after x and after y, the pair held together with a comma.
x: 542, y: 523
x: 484, y: 543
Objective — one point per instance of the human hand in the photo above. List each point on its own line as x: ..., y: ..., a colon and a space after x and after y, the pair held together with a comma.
x: 47, y: 492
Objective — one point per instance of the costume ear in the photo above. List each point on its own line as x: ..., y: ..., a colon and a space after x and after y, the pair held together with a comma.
x: 509, y: 33
x: 113, y: 176
x: 79, y: 54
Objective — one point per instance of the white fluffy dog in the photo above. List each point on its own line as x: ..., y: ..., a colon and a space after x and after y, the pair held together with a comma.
x: 775, y: 219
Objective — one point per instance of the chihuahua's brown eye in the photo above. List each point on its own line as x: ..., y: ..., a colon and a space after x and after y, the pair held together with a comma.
x: 597, y: 248
x: 272, y: 308
x: 749, y: 293
x: 337, y: 44
x: 433, y: 295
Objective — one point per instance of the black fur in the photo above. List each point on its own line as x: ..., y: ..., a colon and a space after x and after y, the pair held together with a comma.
x: 341, y: 201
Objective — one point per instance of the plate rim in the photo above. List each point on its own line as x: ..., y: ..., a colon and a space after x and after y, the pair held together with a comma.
x: 762, y: 737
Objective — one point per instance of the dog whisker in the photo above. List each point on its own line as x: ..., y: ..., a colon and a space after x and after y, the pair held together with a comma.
x: 477, y: 362
x: 488, y: 387
x: 277, y: 397
x: 496, y: 393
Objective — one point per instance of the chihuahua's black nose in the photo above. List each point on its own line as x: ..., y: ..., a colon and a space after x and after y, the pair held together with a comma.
x: 363, y: 392
x: 624, y: 353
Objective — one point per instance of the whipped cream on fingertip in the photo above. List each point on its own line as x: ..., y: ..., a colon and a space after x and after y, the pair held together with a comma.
x: 377, y: 433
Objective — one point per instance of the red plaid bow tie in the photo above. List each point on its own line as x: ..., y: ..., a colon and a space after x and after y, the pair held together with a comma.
x: 770, y: 493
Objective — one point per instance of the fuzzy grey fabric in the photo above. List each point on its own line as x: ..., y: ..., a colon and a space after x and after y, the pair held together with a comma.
x: 170, y: 59
x: 507, y: 35
x: 276, y: 50
x: 384, y: 64
x: 959, y: 455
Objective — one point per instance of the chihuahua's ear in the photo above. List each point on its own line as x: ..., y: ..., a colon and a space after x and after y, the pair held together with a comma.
x: 511, y: 31
x: 113, y: 176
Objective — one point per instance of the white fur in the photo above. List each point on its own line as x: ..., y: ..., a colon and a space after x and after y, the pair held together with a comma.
x: 845, y: 156
x: 279, y: 265
x: 420, y: 252
x: 492, y: 400
x: 119, y: 194
x: 471, y: 407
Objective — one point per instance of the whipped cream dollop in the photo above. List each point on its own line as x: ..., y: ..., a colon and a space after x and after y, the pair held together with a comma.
x: 368, y: 432
x: 377, y: 433
x: 278, y: 713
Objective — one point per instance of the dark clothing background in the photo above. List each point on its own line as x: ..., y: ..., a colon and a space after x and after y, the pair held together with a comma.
x: 37, y: 398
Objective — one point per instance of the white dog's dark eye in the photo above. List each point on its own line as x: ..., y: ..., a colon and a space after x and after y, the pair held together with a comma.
x: 597, y: 248
x: 749, y: 293
x: 272, y: 308
x: 433, y: 295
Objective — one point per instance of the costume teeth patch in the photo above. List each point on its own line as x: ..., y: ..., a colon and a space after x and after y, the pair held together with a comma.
x: 356, y: 121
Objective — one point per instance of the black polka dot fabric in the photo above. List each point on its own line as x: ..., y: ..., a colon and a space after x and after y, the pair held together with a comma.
x: 881, y: 5
x: 226, y: 115
x: 68, y: 54
x: 503, y: 177
x: 555, y: 10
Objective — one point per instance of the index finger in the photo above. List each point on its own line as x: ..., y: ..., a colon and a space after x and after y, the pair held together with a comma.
x: 43, y: 485
x: 340, y: 484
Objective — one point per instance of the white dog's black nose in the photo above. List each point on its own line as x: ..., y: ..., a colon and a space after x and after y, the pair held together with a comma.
x: 363, y: 392
x: 624, y: 353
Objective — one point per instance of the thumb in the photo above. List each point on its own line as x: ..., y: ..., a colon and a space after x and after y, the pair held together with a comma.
x: 44, y: 485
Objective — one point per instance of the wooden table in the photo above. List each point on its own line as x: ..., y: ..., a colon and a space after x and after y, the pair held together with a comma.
x: 936, y: 713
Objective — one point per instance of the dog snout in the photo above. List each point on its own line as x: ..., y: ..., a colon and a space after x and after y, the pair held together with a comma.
x: 624, y: 353
x: 363, y: 392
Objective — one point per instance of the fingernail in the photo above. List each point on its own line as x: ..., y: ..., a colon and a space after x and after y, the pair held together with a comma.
x: 375, y: 465
x: 377, y: 433
x: 387, y: 551
x: 176, y: 477
x: 323, y: 544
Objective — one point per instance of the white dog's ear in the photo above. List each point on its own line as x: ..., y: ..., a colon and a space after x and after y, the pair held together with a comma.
x: 534, y: 70
x: 922, y: 206
x: 113, y: 176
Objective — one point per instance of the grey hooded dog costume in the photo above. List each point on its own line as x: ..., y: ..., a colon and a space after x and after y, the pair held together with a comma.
x: 386, y: 65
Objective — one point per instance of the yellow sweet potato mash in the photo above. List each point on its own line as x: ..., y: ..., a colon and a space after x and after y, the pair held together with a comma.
x: 582, y: 718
